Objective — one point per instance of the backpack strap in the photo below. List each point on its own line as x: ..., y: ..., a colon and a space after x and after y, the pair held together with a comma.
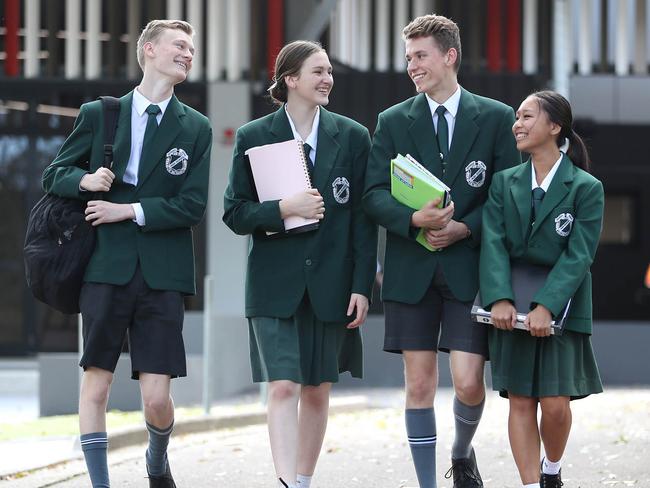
x: 111, y: 111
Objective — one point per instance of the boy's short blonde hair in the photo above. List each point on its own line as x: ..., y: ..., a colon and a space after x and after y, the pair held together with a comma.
x: 154, y: 29
x: 444, y: 31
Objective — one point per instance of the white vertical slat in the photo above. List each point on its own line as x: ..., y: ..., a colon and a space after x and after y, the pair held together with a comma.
x: 334, y: 33
x: 175, y: 9
x: 93, y: 58
x: 530, y: 37
x: 422, y: 7
x: 195, y: 17
x: 72, y: 40
x: 344, y: 28
x: 584, y: 37
x: 244, y: 36
x: 560, y: 59
x: 622, y: 57
x: 640, y: 36
x: 353, y: 24
x: 134, y: 28
x: 382, y: 35
x: 364, y: 35
x: 233, y: 66
x: 32, y: 38
x: 400, y: 20
x: 214, y: 52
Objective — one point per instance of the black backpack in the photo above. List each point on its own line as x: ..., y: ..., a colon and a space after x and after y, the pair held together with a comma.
x: 59, y: 242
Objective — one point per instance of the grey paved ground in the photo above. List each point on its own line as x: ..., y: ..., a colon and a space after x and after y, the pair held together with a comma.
x: 609, y: 447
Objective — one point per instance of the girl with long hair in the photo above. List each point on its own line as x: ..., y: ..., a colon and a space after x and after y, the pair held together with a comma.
x: 548, y: 212
x: 306, y: 293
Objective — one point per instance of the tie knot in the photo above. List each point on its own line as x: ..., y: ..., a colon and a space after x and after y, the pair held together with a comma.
x: 307, y: 149
x: 538, y: 193
x: 153, y: 109
x: 441, y: 110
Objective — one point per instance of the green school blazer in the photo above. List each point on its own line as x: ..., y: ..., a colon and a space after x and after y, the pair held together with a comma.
x: 172, y: 189
x: 482, y: 144
x: 565, y: 237
x: 330, y: 263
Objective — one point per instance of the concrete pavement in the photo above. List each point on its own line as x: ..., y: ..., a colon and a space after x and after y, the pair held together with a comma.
x: 609, y: 447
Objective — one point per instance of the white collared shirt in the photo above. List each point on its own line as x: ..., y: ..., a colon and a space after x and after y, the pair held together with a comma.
x: 312, y: 138
x: 139, y: 119
x: 549, y: 177
x: 451, y: 104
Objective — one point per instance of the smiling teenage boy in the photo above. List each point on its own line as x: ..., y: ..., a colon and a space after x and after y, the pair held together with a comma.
x: 462, y: 139
x: 143, y: 263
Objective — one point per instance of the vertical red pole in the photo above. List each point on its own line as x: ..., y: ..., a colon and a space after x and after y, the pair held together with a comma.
x: 494, y: 36
x: 12, y: 21
x: 513, y: 43
x: 275, y: 32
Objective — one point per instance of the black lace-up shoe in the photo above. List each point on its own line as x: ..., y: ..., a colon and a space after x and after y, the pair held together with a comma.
x: 164, y: 481
x: 465, y: 472
x: 551, y: 480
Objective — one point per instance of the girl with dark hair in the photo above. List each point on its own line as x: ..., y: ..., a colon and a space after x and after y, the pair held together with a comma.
x: 306, y: 293
x: 547, y: 211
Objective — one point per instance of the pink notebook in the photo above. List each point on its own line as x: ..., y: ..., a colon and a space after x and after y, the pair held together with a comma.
x: 280, y: 171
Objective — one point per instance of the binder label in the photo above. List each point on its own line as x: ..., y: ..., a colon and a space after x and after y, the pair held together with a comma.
x: 341, y: 190
x: 403, y: 176
x: 563, y: 224
x: 475, y: 174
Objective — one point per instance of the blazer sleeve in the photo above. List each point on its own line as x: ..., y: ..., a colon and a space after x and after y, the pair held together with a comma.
x: 243, y: 212
x: 570, y: 269
x: 187, y: 207
x: 378, y: 203
x: 63, y: 175
x: 494, y: 267
x: 364, y: 231
x: 505, y: 156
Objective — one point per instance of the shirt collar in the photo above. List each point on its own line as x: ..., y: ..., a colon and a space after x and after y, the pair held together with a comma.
x: 312, y: 138
x: 549, y: 177
x: 140, y: 103
x: 451, y: 104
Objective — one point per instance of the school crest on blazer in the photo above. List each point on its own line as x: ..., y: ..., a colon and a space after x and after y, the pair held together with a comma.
x: 563, y: 224
x: 475, y: 174
x: 341, y: 190
x: 176, y: 161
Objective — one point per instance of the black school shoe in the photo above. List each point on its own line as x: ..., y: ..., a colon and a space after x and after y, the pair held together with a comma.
x: 465, y: 472
x: 550, y: 480
x: 164, y: 481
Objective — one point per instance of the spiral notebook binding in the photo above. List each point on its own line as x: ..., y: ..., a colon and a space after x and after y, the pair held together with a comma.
x: 303, y: 159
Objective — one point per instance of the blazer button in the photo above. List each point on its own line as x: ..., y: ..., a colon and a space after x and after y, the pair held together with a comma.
x: 308, y: 262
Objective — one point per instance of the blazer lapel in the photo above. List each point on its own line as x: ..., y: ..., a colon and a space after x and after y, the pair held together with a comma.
x: 327, y: 149
x: 122, y: 142
x: 465, y: 132
x: 423, y: 134
x: 556, y: 191
x: 522, y: 196
x: 280, y: 127
x: 169, y: 127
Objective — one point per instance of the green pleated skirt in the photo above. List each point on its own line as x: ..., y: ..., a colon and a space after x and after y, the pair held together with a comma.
x: 303, y: 349
x: 543, y: 366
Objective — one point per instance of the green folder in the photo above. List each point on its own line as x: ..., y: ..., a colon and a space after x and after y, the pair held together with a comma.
x: 413, y: 185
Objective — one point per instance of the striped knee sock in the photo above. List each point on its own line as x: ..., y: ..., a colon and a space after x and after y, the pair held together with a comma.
x: 421, y: 432
x: 95, y: 447
x: 467, y: 418
x: 157, y: 451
